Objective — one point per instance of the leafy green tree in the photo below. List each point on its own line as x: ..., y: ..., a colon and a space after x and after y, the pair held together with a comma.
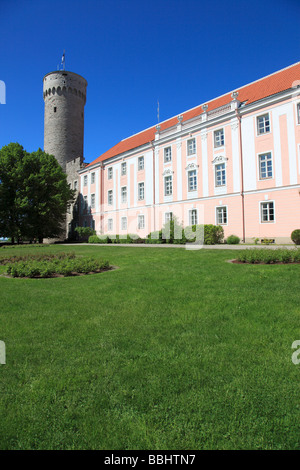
x: 34, y: 194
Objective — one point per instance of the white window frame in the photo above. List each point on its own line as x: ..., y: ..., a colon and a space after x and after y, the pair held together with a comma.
x: 267, y: 177
x: 123, y: 194
x: 261, y: 203
x: 123, y: 169
x: 167, y: 154
x: 85, y: 203
x: 141, y: 222
x: 93, y: 177
x: 262, y: 129
x: 110, y: 225
x: 110, y: 193
x: 191, y: 149
x: 192, y: 181
x: 168, y: 185
x: 223, y: 207
x: 141, y: 163
x: 93, y: 201
x: 110, y: 173
x: 141, y: 188
x: 219, y: 138
x: 193, y: 216
x: 217, y: 171
x: 298, y: 112
x: 85, y: 180
x: 168, y: 217
x: 123, y: 223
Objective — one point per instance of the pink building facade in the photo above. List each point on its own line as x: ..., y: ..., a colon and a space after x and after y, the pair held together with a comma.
x: 233, y: 161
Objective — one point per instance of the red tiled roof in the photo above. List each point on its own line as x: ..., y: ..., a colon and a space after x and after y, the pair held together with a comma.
x: 267, y: 86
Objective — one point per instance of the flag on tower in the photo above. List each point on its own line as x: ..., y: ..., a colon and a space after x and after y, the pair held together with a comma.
x: 63, y: 60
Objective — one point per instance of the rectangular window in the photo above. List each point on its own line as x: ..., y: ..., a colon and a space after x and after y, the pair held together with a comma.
x: 221, y: 215
x: 123, y: 168
x: 219, y: 138
x: 192, y: 180
x: 110, y: 225
x: 298, y: 112
x: 263, y: 124
x: 168, y: 186
x: 93, y: 201
x: 123, y: 223
x: 92, y: 178
x: 141, y: 191
x: 141, y: 222
x: 141, y: 163
x: 220, y: 174
x: 167, y: 154
x: 124, y: 194
x: 85, y: 180
x: 193, y: 217
x: 168, y: 217
x: 267, y: 211
x: 85, y: 203
x: 110, y: 173
x: 191, y: 146
x: 110, y: 197
x: 265, y: 166
x: 75, y: 185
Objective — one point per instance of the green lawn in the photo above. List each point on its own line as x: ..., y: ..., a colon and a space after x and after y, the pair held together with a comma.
x: 175, y: 349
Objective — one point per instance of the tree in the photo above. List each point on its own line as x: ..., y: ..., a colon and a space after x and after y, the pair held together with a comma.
x: 34, y: 194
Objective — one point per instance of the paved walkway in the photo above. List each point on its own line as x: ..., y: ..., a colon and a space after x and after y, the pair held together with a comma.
x: 189, y: 246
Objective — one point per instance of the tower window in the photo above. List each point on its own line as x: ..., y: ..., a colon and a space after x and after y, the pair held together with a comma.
x: 54, y: 109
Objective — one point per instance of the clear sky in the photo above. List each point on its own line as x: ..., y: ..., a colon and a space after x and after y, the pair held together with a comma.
x: 133, y: 53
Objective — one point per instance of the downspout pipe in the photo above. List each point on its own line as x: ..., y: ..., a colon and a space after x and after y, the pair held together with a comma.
x: 153, y: 156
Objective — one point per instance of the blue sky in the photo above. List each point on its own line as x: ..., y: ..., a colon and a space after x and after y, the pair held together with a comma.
x: 132, y: 53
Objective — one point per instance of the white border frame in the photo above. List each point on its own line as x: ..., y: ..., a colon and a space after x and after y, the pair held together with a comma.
x: 256, y: 127
x: 216, y: 221
x: 259, y: 208
x: 258, y: 168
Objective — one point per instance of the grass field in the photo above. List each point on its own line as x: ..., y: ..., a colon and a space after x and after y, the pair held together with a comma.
x: 175, y: 349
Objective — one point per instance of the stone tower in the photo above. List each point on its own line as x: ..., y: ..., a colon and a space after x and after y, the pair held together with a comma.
x: 65, y: 96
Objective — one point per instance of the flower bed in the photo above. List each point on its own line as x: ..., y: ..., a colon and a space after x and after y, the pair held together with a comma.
x: 53, y: 266
x: 265, y: 256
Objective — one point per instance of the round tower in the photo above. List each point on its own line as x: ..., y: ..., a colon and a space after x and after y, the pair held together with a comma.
x: 65, y: 96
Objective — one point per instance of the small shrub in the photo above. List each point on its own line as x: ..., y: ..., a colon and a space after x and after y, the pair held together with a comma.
x: 233, y: 240
x: 295, y: 236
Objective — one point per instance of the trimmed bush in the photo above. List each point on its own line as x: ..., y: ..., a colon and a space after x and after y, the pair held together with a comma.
x: 85, y: 232
x: 233, y: 240
x: 265, y: 256
x: 174, y: 233
x: 66, y: 266
x: 295, y: 236
x: 98, y: 239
